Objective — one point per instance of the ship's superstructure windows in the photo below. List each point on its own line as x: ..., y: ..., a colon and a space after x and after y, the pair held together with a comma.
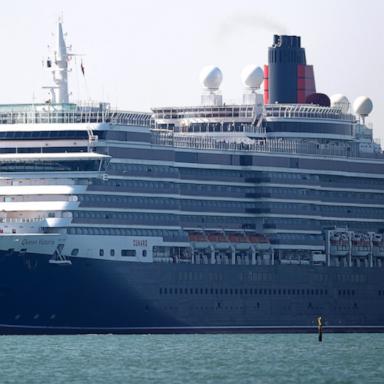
x: 101, y: 252
x: 112, y: 252
x: 128, y: 252
x: 43, y: 135
x: 327, y: 129
x: 50, y: 166
x: 75, y: 252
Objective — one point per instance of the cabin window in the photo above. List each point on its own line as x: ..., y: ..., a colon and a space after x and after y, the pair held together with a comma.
x: 144, y: 253
x: 112, y: 252
x: 75, y: 252
x: 101, y: 252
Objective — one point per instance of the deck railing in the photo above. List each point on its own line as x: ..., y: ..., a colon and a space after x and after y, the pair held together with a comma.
x: 271, y: 145
x: 48, y: 115
x: 306, y: 111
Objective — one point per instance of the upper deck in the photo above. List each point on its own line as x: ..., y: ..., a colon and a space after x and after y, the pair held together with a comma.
x: 273, y: 120
x: 317, y: 130
x: 248, y: 112
x: 69, y: 114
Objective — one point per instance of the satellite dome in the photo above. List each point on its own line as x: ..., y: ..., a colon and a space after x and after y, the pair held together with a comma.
x: 211, y: 77
x: 363, y: 106
x: 339, y: 100
x: 318, y: 99
x: 252, y: 76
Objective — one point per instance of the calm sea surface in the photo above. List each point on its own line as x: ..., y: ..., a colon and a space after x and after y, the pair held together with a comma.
x: 351, y: 358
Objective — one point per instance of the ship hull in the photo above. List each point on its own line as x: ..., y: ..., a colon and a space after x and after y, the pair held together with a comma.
x: 103, y: 296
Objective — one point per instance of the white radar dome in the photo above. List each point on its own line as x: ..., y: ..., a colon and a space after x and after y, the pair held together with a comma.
x: 252, y: 76
x: 339, y: 100
x: 211, y: 77
x: 363, y: 106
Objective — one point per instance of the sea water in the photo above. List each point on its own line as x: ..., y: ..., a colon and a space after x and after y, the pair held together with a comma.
x: 187, y: 359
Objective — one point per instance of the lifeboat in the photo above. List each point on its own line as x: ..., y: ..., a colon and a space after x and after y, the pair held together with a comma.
x: 360, y: 244
x: 339, y: 244
x: 196, y: 236
x: 236, y: 237
x: 217, y: 237
x: 257, y: 238
x: 377, y: 245
x: 377, y: 239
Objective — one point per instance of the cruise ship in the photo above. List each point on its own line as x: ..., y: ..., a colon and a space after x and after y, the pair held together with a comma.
x: 255, y: 217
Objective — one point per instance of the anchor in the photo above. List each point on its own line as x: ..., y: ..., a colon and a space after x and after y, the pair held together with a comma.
x: 58, y: 258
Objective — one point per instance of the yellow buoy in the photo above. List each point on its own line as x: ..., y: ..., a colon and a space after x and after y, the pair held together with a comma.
x: 320, y: 328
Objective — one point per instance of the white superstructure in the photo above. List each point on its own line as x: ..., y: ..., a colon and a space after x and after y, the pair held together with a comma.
x: 59, y: 68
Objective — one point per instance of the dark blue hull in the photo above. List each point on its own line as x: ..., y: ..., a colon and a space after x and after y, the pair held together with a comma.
x: 100, y: 296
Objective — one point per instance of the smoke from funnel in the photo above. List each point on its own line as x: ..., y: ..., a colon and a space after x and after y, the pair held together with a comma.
x: 240, y: 22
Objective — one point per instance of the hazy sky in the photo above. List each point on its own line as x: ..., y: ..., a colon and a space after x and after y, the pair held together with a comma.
x: 145, y: 53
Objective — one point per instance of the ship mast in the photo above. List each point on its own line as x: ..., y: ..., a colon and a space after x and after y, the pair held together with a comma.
x: 59, y: 68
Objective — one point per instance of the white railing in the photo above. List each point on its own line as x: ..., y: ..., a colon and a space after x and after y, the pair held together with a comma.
x: 77, y: 114
x: 306, y: 111
x: 286, y: 111
x: 244, y: 144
